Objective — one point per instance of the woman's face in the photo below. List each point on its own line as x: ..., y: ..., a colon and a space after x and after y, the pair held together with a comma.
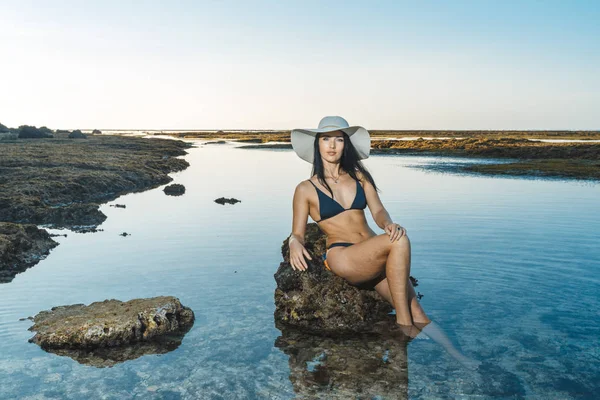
x: 331, y: 146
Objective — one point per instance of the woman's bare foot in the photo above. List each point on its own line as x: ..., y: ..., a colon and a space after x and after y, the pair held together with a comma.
x: 409, y: 330
x: 421, y: 324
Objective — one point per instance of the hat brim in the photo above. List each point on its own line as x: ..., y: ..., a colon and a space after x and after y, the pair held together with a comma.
x: 303, y: 141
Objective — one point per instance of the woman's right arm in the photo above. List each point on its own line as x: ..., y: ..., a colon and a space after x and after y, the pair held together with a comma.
x: 296, y: 239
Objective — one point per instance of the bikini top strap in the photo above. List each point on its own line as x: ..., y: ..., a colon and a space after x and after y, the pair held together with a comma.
x: 312, y: 183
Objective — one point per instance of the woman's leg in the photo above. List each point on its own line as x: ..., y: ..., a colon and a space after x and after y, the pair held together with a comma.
x: 366, y: 260
x: 416, y: 311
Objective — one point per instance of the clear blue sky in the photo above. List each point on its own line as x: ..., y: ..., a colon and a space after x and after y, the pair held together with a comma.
x: 285, y: 64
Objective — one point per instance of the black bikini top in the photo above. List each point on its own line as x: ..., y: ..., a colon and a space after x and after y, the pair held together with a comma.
x: 328, y: 207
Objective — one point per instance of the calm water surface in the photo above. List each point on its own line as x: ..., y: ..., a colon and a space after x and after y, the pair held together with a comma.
x: 508, y: 268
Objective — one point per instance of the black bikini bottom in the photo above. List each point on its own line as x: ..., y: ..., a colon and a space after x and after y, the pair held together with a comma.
x: 369, y: 285
x: 345, y: 244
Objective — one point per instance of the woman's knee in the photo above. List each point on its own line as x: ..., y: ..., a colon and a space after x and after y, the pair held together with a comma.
x: 402, y: 242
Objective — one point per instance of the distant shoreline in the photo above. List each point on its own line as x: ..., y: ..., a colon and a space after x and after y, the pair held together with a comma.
x: 284, y: 135
x: 535, y: 158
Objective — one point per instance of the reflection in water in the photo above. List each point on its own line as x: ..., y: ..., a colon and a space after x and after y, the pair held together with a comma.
x: 347, y: 367
x: 109, y: 356
x: 368, y: 365
x: 433, y: 331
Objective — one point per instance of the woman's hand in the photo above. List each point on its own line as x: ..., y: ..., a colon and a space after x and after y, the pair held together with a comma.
x: 297, y: 253
x: 395, y: 231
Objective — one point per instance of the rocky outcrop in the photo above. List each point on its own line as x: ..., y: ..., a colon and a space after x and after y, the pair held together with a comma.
x: 175, y: 189
x: 320, y: 302
x: 62, y: 182
x: 112, y: 331
x: 21, y: 247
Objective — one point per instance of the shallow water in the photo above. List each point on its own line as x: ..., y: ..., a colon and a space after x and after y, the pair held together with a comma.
x: 508, y: 268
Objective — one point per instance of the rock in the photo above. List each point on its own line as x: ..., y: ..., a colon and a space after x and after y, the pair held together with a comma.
x: 223, y: 200
x: 216, y: 142
x: 31, y: 132
x: 174, y: 190
x: 86, y: 229
x: 21, y: 247
x: 96, y: 132
x: 124, y: 234
x: 118, y: 205
x: 77, y: 134
x: 111, y: 331
x: 320, y: 302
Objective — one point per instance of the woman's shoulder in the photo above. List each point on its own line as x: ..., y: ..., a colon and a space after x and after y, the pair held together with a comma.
x: 303, y: 186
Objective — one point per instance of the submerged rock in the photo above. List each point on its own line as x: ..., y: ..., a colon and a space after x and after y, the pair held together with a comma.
x: 175, y: 189
x: 21, y: 247
x: 112, y: 329
x: 110, y: 356
x: 319, y: 301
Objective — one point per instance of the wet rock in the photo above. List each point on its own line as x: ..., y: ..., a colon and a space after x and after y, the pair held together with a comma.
x: 86, y: 229
x: 77, y: 134
x: 118, y: 205
x: 124, y: 234
x: 318, y: 301
x: 21, y: 246
x: 174, y: 190
x: 111, y: 331
x: 223, y: 200
x: 216, y: 142
x: 340, y: 368
x: 57, y: 234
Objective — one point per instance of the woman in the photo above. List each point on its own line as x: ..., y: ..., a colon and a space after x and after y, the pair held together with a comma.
x: 354, y: 251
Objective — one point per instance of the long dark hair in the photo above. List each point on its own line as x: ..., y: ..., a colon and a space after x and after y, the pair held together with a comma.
x: 349, y: 162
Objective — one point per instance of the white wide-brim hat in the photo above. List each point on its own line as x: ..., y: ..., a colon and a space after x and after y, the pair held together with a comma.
x: 303, y: 139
